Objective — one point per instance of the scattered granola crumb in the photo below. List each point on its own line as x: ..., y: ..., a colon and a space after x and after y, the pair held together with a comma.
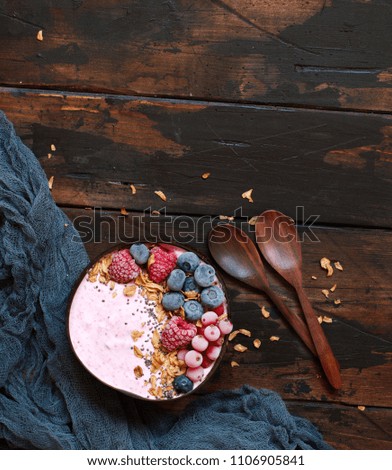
x: 66, y: 225
x: 274, y: 338
x: 114, y: 295
x: 327, y: 319
x: 320, y: 319
x: 137, y: 352
x: 325, y: 292
x: 314, y: 277
x: 337, y: 301
x: 129, y: 291
x: 256, y: 343
x: 265, y: 312
x: 155, y: 212
x: 53, y: 148
x: 133, y: 188
x: 245, y: 332
x: 233, y: 334
x: 338, y: 266
x: 253, y: 220
x: 234, y: 364
x: 325, y: 263
x: 361, y: 408
x: 333, y: 288
x: 49, y: 156
x: 248, y: 195
x: 161, y: 194
x: 205, y: 175
x: 40, y: 35
x: 138, y: 371
x: 226, y: 217
x: 50, y: 182
x: 240, y: 348
x: 136, y: 334
x: 124, y: 211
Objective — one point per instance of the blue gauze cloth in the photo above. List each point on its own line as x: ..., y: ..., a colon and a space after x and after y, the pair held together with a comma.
x: 47, y: 400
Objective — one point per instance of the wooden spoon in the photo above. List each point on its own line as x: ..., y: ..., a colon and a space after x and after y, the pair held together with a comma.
x: 236, y: 254
x: 277, y: 239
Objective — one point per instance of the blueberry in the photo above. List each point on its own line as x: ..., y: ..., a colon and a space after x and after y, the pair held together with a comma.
x: 176, y: 280
x: 188, y: 261
x: 193, y: 310
x: 140, y: 253
x: 190, y: 285
x: 205, y: 275
x: 212, y: 297
x: 172, y: 300
x: 182, y: 384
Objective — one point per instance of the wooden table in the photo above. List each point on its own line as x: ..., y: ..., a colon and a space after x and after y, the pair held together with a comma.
x: 292, y: 99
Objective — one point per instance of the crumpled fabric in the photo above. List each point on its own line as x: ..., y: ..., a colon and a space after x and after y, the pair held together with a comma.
x: 47, y: 400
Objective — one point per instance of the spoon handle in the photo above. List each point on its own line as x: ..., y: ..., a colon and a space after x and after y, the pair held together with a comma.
x: 328, y: 361
x: 294, y: 320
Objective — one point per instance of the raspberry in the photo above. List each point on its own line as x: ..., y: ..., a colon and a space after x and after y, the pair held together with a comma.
x: 123, y: 268
x: 177, y: 334
x: 161, y: 264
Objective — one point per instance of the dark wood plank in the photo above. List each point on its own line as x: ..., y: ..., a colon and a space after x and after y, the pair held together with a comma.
x: 337, y: 165
x: 319, y: 52
x: 360, y: 332
x: 348, y: 428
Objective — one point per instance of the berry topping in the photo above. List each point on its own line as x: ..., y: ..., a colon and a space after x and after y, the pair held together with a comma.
x: 213, y: 352
x: 205, y: 276
x: 176, y: 280
x: 209, y: 318
x: 140, y: 253
x: 193, y: 359
x: 188, y: 262
x: 177, y: 334
x: 160, y: 264
x: 181, y: 354
x: 199, y: 343
x: 190, y: 285
x: 195, y: 374
x: 225, y: 326
x: 172, y: 300
x: 182, y: 384
x: 220, y: 310
x: 193, y: 310
x: 206, y: 362
x: 212, y: 296
x: 212, y: 333
x: 123, y: 268
x: 219, y: 342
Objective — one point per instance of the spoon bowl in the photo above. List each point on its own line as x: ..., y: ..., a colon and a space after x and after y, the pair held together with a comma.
x: 238, y: 256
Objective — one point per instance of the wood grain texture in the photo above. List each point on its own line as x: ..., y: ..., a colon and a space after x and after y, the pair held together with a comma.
x: 290, y: 157
x: 317, y: 53
x: 360, y: 333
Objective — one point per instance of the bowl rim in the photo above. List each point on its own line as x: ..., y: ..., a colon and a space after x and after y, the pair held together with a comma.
x: 121, y: 246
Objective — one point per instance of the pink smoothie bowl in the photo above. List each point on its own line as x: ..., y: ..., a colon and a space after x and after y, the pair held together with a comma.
x: 124, y: 334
